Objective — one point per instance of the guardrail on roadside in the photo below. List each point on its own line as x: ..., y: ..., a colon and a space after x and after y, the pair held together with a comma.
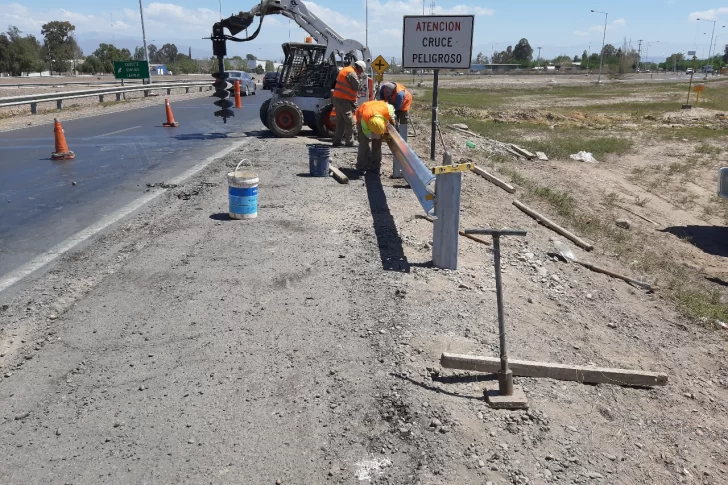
x: 33, y: 100
x: 415, y: 172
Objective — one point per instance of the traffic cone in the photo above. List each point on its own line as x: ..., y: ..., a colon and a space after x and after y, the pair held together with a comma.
x: 170, y: 117
x: 62, y: 152
x: 238, y: 103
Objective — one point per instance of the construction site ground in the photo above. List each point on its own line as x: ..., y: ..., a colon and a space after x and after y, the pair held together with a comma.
x: 303, y: 347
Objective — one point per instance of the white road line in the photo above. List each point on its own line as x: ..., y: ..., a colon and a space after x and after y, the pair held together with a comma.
x: 117, y: 131
x: 54, y: 253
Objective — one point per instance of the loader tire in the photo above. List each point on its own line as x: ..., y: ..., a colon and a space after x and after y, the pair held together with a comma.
x: 285, y: 119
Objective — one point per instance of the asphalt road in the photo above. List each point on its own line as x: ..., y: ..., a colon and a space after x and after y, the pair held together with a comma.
x: 117, y: 155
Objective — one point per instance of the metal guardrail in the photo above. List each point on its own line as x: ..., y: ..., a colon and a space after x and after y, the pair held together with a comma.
x: 415, y: 172
x: 33, y: 100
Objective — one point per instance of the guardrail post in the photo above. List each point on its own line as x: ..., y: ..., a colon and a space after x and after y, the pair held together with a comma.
x: 59, y: 104
x: 169, y: 91
x: 34, y: 108
x: 447, y: 213
x: 101, y: 98
x: 146, y: 93
x: 187, y: 90
x: 118, y: 96
x: 200, y: 88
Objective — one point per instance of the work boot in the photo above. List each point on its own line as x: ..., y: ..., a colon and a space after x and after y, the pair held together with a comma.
x: 351, y: 144
x: 337, y: 145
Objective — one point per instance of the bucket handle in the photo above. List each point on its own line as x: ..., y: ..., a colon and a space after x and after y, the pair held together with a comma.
x: 241, y: 162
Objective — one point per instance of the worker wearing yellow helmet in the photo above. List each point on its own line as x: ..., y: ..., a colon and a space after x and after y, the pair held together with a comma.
x: 372, y: 119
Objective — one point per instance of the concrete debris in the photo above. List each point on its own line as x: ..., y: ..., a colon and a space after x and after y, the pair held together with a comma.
x: 461, y: 126
x: 542, y: 156
x: 583, y: 157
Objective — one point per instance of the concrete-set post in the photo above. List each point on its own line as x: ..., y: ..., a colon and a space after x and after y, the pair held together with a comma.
x: 447, y: 217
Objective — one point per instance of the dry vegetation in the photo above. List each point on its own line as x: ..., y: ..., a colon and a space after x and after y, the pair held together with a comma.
x: 656, y: 160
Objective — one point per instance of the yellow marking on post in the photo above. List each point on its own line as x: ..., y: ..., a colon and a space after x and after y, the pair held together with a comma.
x: 429, y: 197
x: 463, y: 167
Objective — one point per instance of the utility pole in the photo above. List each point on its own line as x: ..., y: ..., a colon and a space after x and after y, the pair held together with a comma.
x: 639, y: 55
x: 144, y: 41
x: 604, y: 37
x: 539, y: 56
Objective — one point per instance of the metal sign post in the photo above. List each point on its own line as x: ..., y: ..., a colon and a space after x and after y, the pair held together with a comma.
x: 433, y: 137
x: 437, y: 42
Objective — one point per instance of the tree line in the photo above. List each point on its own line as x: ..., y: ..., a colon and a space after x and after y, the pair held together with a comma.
x: 59, y: 53
x: 616, y: 59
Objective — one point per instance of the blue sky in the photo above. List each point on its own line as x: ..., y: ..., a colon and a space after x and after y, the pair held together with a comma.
x: 559, y: 27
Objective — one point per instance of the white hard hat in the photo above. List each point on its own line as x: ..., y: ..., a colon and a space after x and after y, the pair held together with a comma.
x: 361, y: 64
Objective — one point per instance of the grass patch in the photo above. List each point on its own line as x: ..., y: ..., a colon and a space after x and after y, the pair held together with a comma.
x: 706, y: 149
x: 699, y: 304
x: 556, y: 143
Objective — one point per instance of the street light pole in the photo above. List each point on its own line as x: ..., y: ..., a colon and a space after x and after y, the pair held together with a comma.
x: 604, y: 37
x: 144, y: 41
x: 710, y: 48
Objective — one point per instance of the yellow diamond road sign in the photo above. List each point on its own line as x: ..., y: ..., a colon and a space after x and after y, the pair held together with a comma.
x: 380, y: 65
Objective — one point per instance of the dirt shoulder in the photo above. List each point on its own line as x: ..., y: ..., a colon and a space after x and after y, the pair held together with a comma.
x: 304, y: 347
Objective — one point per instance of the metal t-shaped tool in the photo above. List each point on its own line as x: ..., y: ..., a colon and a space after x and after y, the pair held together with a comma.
x: 505, y: 397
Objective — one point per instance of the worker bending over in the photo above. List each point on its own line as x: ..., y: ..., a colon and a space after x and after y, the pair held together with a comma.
x: 372, y: 118
x: 344, y: 99
x: 398, y: 96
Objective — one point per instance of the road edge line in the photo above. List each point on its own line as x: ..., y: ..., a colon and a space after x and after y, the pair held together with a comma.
x: 59, y: 250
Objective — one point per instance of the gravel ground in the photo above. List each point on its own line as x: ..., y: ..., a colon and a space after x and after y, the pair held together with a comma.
x: 303, y: 348
x: 20, y: 117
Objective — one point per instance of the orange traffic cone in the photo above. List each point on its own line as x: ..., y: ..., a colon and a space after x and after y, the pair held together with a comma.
x: 62, y: 152
x: 238, y: 103
x: 170, y: 117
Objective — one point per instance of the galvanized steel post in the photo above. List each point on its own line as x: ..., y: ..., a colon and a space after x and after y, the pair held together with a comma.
x: 447, y: 212
x: 435, y: 84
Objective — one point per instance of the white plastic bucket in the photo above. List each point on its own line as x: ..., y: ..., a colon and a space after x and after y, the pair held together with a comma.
x: 242, y: 194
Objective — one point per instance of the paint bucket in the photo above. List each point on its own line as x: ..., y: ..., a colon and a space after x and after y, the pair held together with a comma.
x: 243, y: 194
x: 318, y: 160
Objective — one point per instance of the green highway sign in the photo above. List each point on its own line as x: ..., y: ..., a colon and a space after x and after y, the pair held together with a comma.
x: 131, y: 69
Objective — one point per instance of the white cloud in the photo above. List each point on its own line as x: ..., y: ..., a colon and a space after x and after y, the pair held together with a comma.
x: 613, y: 25
x: 711, y: 14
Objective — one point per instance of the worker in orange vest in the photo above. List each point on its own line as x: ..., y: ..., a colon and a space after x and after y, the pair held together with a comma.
x: 398, y: 96
x: 344, y: 99
x: 372, y: 119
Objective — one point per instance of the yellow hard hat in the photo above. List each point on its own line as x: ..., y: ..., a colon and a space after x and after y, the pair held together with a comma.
x: 377, y: 124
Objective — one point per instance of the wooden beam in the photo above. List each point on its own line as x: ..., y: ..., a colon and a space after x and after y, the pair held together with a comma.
x: 523, y: 151
x: 338, y: 175
x: 636, y: 214
x: 495, y: 180
x: 553, y: 226
x: 562, y: 372
x: 462, y: 233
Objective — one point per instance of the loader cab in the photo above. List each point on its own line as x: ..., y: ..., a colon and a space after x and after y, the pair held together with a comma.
x: 305, y: 71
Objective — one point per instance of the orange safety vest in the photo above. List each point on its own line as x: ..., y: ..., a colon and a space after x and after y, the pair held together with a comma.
x: 407, y: 97
x: 343, y: 89
x: 372, y: 108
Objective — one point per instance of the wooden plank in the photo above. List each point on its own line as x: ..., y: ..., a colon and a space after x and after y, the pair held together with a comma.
x: 495, y: 180
x: 553, y: 226
x: 338, y: 175
x: 562, y: 372
x: 636, y: 214
x: 523, y: 151
x: 462, y: 233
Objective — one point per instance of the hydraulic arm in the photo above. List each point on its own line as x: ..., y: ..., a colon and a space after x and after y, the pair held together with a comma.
x: 346, y: 49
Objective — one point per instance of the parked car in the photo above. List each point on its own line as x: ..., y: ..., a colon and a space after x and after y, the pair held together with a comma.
x: 247, y: 83
x: 270, y: 80
x: 689, y: 71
